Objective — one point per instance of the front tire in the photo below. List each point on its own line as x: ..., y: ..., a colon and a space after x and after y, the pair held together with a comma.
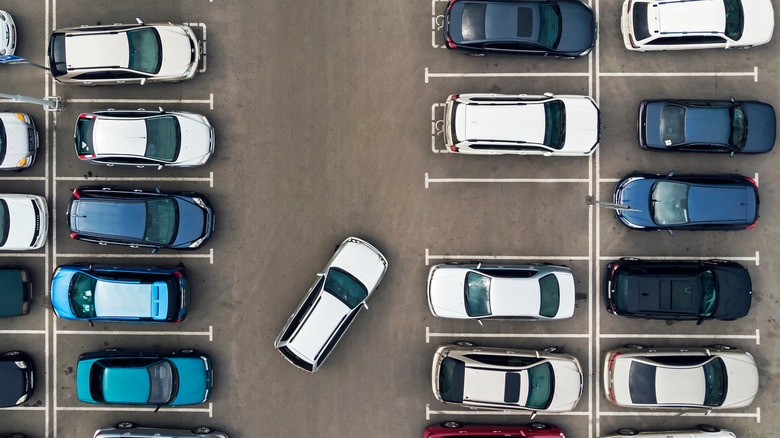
x: 125, y: 425
x: 202, y: 430
x: 452, y: 425
x: 538, y: 426
x: 464, y: 344
x: 626, y: 432
x: 707, y: 428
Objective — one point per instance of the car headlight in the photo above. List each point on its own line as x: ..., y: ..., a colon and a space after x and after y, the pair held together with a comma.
x: 23, y: 162
x: 21, y: 364
x: 186, y: 73
x: 22, y: 117
x: 198, y: 242
x: 2, y: 52
x: 199, y: 202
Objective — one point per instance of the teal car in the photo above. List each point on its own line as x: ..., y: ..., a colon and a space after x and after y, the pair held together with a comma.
x: 144, y: 378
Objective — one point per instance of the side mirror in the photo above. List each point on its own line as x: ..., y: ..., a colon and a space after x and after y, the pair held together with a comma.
x: 480, y: 322
x: 548, y: 154
x: 670, y: 174
x: 533, y: 415
x: 160, y: 166
x: 731, y: 154
x: 155, y: 249
x: 671, y: 233
x: 143, y: 81
x: 157, y: 408
x: 699, y: 321
x: 139, y: 21
x: 547, y: 94
x: 157, y: 189
x: 365, y: 305
x: 731, y: 99
x: 90, y: 323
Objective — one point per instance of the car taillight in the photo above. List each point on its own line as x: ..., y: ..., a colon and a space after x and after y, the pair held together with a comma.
x: 752, y: 181
x: 628, y: 6
x: 84, y: 157
x: 452, y: 97
x: 612, y: 362
x: 76, y: 194
x: 454, y: 148
x: 73, y: 235
x: 177, y: 274
x: 614, y: 268
x: 612, y: 396
x: 449, y: 5
x: 450, y: 43
x: 86, y: 116
x: 631, y: 41
x: 752, y: 225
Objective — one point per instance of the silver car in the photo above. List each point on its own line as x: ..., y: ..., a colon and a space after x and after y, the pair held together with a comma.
x: 127, y: 429
x: 518, y: 292
x: 332, y: 303
x: 504, y: 378
x: 701, y: 431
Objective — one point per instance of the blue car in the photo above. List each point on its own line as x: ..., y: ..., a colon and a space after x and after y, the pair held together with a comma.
x: 140, y: 218
x: 687, y: 202
x: 144, y: 378
x: 728, y: 126
x: 120, y: 294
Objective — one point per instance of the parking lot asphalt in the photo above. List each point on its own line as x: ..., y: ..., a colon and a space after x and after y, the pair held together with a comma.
x: 327, y: 121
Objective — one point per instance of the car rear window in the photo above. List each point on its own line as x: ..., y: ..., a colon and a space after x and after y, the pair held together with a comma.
x: 473, y: 22
x: 550, y: 291
x: 57, y: 59
x: 641, y: 383
x: 641, y: 30
x: 84, y: 128
x: 451, y: 373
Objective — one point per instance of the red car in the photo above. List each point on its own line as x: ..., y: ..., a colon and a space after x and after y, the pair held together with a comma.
x: 450, y: 429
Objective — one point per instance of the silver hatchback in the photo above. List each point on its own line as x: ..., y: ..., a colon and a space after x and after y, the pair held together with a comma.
x: 127, y: 429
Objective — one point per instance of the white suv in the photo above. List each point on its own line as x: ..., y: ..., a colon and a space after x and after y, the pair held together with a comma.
x: 521, y: 124
x: 655, y: 25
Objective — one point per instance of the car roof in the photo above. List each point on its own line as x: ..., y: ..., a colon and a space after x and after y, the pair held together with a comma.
x: 97, y: 50
x: 126, y: 384
x: 732, y: 205
x: 111, y: 217
x: 323, y: 320
x: 119, y: 136
x: 131, y: 299
x: 696, y: 16
x: 666, y: 293
x: 486, y: 385
x: 515, y: 296
x: 513, y: 122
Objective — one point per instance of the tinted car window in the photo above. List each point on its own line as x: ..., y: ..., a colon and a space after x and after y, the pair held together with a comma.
x: 163, y: 136
x: 540, y: 386
x: 734, y: 19
x: 96, y: 381
x: 716, y: 382
x: 161, y: 220
x: 511, y: 388
x: 550, y: 25
x: 57, y: 55
x: 550, y: 292
x: 5, y: 222
x: 144, y: 46
x: 641, y: 383
x: 503, y: 360
x: 555, y: 124
x: 640, y: 21
x: 477, y: 294
x: 473, y: 25
x: 345, y: 287
x: 84, y: 128
x: 451, y: 372
x: 162, y: 382
x: 673, y: 124
x: 710, y: 294
x: 82, y: 295
x: 738, y: 126
x: 2, y: 141
x: 669, y: 203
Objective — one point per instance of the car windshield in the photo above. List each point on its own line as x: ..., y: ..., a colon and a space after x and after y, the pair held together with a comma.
x: 549, y: 25
x: 451, y: 373
x: 345, y: 287
x: 144, y: 46
x: 735, y: 19
x: 673, y: 125
x: 715, y: 382
x: 84, y: 128
x: 5, y: 222
x: 669, y: 203
x: 541, y: 386
x: 2, y: 141
x: 163, y: 137
x: 738, y: 126
x: 477, y: 292
x: 82, y: 295
x: 709, y: 293
x: 162, y: 382
x: 555, y: 124
x: 161, y: 220
x: 548, y: 286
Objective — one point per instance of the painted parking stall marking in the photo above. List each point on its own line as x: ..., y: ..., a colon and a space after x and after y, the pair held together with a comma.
x: 486, y: 412
x: 429, y: 75
x: 756, y: 337
x: 755, y: 259
x: 717, y: 74
x: 429, y: 334
x: 209, y: 101
x: 208, y: 410
x: 693, y: 413
x: 209, y: 256
x: 202, y: 26
x: 209, y: 179
x: 429, y: 257
x: 437, y: 126
x: 209, y: 333
x: 429, y: 180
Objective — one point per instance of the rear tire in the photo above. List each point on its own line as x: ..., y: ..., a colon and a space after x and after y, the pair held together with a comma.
x: 452, y: 425
x: 18, y: 435
x: 110, y: 350
x: 707, y: 428
x: 201, y: 430
x: 464, y: 344
x: 187, y: 351
x: 626, y: 432
x: 634, y: 346
x: 722, y: 347
x: 125, y: 425
x: 538, y: 426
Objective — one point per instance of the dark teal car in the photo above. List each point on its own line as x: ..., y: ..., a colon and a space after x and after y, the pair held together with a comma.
x: 144, y: 378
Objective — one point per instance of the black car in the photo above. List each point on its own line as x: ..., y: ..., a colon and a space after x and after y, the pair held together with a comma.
x: 561, y: 28
x: 728, y: 126
x: 15, y: 291
x: 678, y: 290
x: 140, y: 218
x: 16, y: 378
x: 687, y: 202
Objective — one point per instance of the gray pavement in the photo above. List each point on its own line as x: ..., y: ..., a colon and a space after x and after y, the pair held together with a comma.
x: 326, y: 117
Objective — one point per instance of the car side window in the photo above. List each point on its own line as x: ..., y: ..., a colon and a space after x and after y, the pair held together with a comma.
x: 93, y: 75
x: 682, y: 40
x: 510, y: 273
x: 503, y: 360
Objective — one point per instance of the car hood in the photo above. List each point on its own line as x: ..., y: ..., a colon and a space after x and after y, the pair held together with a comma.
x: 762, y: 127
x: 446, y: 293
x: 582, y: 125
x: 362, y: 262
x: 742, y: 380
x: 192, y: 223
x: 735, y: 293
x: 17, y: 134
x: 22, y: 223
x: 13, y: 383
x: 759, y: 22
x: 176, y: 50
x: 578, y: 34
x: 12, y: 293
x: 194, y: 381
x: 196, y: 138
x: 568, y: 386
x: 60, y: 286
x: 635, y: 193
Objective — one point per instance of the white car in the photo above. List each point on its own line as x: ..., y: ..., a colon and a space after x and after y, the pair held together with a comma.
x: 332, y: 303
x: 520, y: 124
x: 24, y: 223
x: 124, y: 53
x: 506, y: 379
x: 144, y: 138
x: 7, y: 34
x: 717, y: 377
x: 127, y: 429
x: 701, y: 431
x: 477, y: 291
x: 654, y: 25
x: 18, y: 141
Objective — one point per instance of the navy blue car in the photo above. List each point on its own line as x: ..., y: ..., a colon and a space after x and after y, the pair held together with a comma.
x: 561, y: 28
x: 727, y: 126
x: 140, y: 218
x: 687, y: 202
x: 120, y: 294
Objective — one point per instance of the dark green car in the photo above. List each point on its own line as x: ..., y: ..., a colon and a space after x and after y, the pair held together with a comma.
x: 15, y: 291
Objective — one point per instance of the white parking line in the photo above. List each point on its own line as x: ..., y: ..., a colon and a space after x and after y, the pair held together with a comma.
x: 756, y: 415
x: 753, y: 74
x: 209, y: 333
x: 614, y: 180
x: 22, y: 332
x: 208, y: 410
x: 429, y: 257
x: 429, y: 335
x: 488, y: 412
x: 756, y: 337
x: 209, y: 256
x: 429, y: 180
x: 429, y: 75
x: 209, y: 179
x: 754, y: 259
x: 26, y: 408
x: 209, y: 101
x: 436, y: 126
x: 22, y: 178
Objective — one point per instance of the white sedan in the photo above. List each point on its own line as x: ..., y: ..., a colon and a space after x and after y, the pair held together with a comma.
x: 477, y: 291
x: 144, y: 138
x: 18, y: 141
x: 24, y: 222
